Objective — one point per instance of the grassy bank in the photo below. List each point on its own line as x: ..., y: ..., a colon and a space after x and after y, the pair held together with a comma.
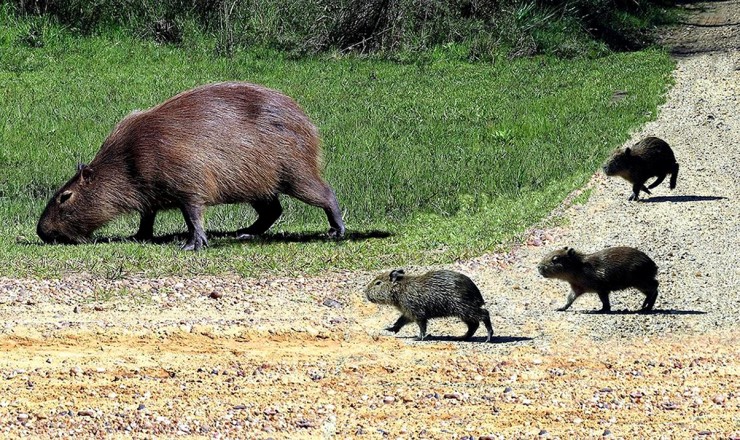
x: 451, y: 158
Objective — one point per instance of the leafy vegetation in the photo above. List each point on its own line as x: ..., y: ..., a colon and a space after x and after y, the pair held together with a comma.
x: 395, y: 29
x: 451, y: 158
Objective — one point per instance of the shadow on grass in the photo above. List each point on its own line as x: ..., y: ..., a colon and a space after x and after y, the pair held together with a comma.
x: 638, y: 312
x: 475, y: 339
x: 676, y: 199
x: 222, y: 238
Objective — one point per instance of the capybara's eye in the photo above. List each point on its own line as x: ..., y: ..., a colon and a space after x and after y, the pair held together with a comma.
x: 377, y: 283
x: 63, y: 197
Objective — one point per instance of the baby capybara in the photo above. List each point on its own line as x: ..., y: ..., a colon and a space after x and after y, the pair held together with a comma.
x: 651, y: 157
x: 602, y: 272
x: 435, y: 294
x: 219, y: 143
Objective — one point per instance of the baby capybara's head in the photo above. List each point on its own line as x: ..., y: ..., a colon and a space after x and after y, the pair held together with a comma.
x: 560, y: 262
x: 619, y: 163
x: 74, y: 212
x: 381, y: 289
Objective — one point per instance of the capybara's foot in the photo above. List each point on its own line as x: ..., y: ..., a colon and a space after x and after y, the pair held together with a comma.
x: 195, y: 244
x: 392, y: 329
x: 335, y: 233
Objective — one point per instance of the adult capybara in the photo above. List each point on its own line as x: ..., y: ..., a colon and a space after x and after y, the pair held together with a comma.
x: 435, y: 294
x: 602, y: 272
x: 219, y: 143
x: 651, y: 157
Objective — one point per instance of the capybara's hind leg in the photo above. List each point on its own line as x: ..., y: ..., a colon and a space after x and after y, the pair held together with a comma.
x: 658, y: 181
x: 674, y: 175
x: 194, y: 219
x: 268, y: 211
x: 487, y: 322
x: 146, y: 226
x: 605, y: 305
x: 422, y: 329
x: 651, y: 295
x: 318, y: 193
x: 472, y: 327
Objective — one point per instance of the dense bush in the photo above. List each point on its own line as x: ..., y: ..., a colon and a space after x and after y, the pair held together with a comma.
x: 386, y: 27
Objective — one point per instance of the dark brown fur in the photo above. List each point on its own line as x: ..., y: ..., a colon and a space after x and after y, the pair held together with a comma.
x: 602, y: 272
x: 651, y: 157
x: 215, y: 144
x: 435, y: 294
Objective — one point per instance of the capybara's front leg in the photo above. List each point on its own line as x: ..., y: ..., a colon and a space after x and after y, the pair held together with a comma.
x: 146, y: 226
x: 402, y: 321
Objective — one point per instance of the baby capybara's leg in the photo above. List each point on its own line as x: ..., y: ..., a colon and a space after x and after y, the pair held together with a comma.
x: 146, y: 226
x: 658, y: 181
x: 315, y: 192
x: 268, y: 211
x: 571, y: 297
x: 472, y: 327
x: 487, y: 322
x: 194, y: 219
x: 398, y: 325
x: 605, y: 305
x: 650, y: 290
x: 422, y: 329
x: 674, y: 175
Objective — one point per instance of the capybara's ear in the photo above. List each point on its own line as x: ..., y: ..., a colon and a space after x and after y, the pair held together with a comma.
x: 571, y: 252
x: 397, y: 274
x: 81, y: 166
x: 86, y: 175
x: 628, y: 151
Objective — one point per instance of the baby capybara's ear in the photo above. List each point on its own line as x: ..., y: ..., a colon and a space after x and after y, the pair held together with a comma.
x: 627, y: 151
x: 571, y: 252
x: 397, y: 275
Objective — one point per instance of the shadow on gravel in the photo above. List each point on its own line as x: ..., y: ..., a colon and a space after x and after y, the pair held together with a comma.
x: 676, y: 199
x: 652, y: 312
x: 229, y: 238
x: 475, y: 339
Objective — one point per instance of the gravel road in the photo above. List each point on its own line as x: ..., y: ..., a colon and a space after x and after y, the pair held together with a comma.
x: 227, y: 357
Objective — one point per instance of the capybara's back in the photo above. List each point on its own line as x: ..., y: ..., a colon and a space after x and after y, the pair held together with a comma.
x: 219, y: 143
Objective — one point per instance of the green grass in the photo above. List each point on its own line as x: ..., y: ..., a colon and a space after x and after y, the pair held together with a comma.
x: 451, y: 158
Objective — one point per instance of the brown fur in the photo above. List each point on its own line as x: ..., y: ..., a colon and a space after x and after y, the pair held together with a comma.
x: 602, y: 272
x: 215, y: 144
x: 651, y: 157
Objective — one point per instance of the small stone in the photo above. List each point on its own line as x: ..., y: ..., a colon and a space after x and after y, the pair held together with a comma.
x: 542, y: 433
x: 719, y: 399
x: 455, y: 396
x: 86, y: 413
x: 304, y: 424
x: 216, y: 294
x: 238, y: 407
x: 606, y: 433
x: 577, y: 421
x: 389, y: 399
x: 22, y: 417
x: 75, y: 371
x: 332, y: 303
x: 76, y: 309
x: 141, y: 407
x: 705, y: 432
x: 507, y: 390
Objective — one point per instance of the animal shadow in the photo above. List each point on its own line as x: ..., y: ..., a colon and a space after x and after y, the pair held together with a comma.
x: 651, y: 312
x: 224, y: 238
x: 677, y: 199
x: 475, y: 339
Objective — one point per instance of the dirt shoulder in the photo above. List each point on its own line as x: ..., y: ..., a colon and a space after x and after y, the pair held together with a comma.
x: 227, y: 357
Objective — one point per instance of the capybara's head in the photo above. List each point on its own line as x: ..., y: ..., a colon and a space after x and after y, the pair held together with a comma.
x: 560, y: 262
x: 381, y: 289
x: 75, y: 211
x: 619, y: 163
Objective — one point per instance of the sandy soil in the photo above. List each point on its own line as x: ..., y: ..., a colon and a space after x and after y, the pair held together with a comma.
x: 226, y: 357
